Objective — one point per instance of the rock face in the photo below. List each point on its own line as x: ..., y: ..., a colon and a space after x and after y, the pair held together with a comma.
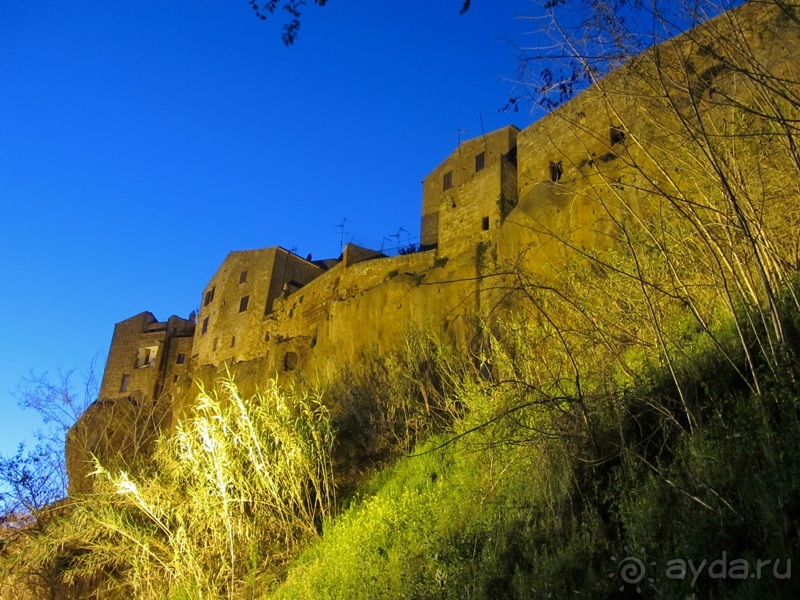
x: 572, y: 185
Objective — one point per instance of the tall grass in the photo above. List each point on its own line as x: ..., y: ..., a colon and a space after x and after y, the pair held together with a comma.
x: 234, y: 491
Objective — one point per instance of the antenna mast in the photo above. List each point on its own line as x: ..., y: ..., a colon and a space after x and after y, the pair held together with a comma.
x: 341, y: 227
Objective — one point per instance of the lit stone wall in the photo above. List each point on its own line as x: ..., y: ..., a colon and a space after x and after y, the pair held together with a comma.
x: 445, y: 183
x: 231, y: 325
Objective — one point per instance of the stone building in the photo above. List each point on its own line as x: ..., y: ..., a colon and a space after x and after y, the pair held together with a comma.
x: 470, y: 192
x: 505, y: 200
x: 146, y: 357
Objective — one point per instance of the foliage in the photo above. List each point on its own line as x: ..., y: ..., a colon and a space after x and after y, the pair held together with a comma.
x: 385, y: 405
x: 234, y: 490
x: 294, y: 8
x: 522, y: 500
x: 580, y: 42
x: 36, y: 476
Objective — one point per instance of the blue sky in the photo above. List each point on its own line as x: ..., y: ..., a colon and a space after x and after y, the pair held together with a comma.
x: 140, y: 142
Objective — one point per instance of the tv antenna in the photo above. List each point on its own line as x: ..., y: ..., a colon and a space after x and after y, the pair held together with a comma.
x: 459, y: 132
x: 341, y: 227
x: 408, y: 235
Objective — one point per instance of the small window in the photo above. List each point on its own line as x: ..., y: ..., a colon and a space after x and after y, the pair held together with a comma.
x: 617, y: 135
x: 215, y: 344
x: 209, y: 296
x: 447, y: 182
x: 243, y: 303
x: 242, y: 277
x: 480, y: 161
x: 205, y: 325
x: 123, y: 387
x: 181, y: 359
x: 174, y: 378
x: 485, y: 223
x: 556, y: 171
x: 290, y: 361
x: 233, y: 341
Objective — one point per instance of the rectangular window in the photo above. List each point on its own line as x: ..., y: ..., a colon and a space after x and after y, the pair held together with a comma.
x: 181, y: 359
x: 233, y: 341
x: 447, y: 182
x: 205, y: 325
x: 209, y: 297
x: 486, y: 223
x: 480, y: 161
x: 243, y: 303
x: 146, y: 356
x: 125, y: 380
x: 243, y: 277
x: 215, y: 344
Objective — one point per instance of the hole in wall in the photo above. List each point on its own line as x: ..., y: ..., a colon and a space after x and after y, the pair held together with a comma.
x: 556, y: 171
x: 290, y: 361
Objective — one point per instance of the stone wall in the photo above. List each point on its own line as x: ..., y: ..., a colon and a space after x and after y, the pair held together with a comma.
x: 231, y: 325
x: 470, y: 215
x: 443, y: 185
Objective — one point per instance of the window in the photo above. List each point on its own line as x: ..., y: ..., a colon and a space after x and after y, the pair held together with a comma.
x: 617, y: 135
x: 243, y: 303
x: 556, y: 171
x: 290, y: 361
x: 480, y: 161
x: 174, y: 378
x: 215, y: 344
x: 485, y: 223
x: 181, y: 359
x: 205, y: 325
x: 125, y: 380
x: 146, y: 356
x: 243, y: 277
x: 233, y: 341
x: 209, y: 296
x: 447, y: 183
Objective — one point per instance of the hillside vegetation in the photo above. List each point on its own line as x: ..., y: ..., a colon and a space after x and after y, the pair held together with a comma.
x: 515, y: 494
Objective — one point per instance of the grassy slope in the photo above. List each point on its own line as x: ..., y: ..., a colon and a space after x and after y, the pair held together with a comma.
x: 510, y: 512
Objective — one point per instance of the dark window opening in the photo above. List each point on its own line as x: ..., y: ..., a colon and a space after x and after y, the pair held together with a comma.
x: 123, y: 387
x: 607, y: 157
x: 215, y: 344
x: 556, y: 171
x: 511, y: 156
x: 485, y: 223
x: 174, y: 378
x: 480, y: 161
x: 205, y: 325
x: 233, y: 341
x: 243, y: 277
x: 209, y: 297
x: 617, y: 135
x: 290, y: 361
x: 181, y: 359
x: 243, y: 303
x: 447, y: 182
